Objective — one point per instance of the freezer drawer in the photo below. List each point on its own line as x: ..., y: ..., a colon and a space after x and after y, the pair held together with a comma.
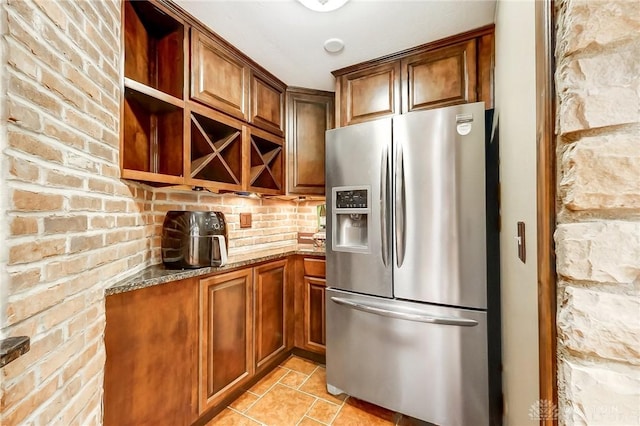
x: 428, y: 362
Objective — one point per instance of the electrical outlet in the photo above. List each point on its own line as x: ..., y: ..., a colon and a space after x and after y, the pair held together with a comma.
x: 245, y: 220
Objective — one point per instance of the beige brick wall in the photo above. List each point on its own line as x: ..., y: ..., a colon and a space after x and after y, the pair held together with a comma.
x: 71, y: 226
x: 598, y: 232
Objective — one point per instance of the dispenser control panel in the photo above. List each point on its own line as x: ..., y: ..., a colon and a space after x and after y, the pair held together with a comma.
x: 352, y: 199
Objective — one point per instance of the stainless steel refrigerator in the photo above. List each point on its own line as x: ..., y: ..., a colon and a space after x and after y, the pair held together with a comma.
x: 406, y: 303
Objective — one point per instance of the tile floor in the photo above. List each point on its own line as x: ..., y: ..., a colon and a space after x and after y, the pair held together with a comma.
x: 294, y: 394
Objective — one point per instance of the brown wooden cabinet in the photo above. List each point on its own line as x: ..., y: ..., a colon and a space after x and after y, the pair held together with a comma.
x: 226, y: 336
x: 446, y: 72
x: 369, y: 93
x: 439, y: 78
x: 195, y: 110
x: 314, y: 318
x: 219, y: 77
x: 267, y: 103
x: 310, y: 113
x: 266, y: 162
x: 181, y: 351
x: 310, y: 304
x: 270, y: 312
x: 152, y: 105
x: 153, y: 47
x: 150, y: 339
x: 216, y: 152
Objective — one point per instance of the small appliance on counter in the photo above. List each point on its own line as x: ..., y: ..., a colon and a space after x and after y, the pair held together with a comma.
x: 194, y: 239
x: 319, y: 239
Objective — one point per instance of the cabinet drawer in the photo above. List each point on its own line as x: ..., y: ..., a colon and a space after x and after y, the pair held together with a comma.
x: 314, y: 267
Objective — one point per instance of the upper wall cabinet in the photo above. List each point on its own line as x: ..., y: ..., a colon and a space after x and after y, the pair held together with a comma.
x: 310, y: 113
x: 195, y: 110
x: 216, y: 149
x: 267, y: 103
x: 446, y: 72
x: 224, y: 80
x: 153, y: 48
x: 370, y: 93
x: 219, y: 78
x: 151, y: 141
x: 439, y: 78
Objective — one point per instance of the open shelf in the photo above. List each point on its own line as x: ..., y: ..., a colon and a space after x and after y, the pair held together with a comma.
x: 216, y: 151
x: 266, y: 161
x: 154, y: 48
x: 152, y: 136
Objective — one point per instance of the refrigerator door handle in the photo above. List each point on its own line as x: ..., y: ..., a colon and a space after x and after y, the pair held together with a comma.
x: 400, y: 208
x: 383, y: 205
x: 461, y: 322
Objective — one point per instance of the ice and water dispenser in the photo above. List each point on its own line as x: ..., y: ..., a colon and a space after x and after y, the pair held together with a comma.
x: 351, y: 211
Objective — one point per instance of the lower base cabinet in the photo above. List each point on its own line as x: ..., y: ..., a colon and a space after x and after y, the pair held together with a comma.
x: 178, y: 352
x: 314, y: 318
x: 150, y: 339
x: 310, y: 304
x: 243, y: 329
x: 270, y: 290
x: 226, y: 335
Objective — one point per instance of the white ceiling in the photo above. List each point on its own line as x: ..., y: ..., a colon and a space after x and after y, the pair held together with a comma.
x: 287, y: 39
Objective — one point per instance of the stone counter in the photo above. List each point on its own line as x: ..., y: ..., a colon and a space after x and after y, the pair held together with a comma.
x: 13, y: 347
x: 158, y: 274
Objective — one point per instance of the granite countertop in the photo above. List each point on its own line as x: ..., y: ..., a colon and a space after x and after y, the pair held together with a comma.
x: 158, y: 274
x: 12, y: 348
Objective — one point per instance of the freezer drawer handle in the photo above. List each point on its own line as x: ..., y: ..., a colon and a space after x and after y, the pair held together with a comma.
x: 405, y: 316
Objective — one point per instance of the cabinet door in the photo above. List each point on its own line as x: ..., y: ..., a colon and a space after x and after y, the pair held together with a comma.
x: 267, y: 104
x: 440, y: 77
x: 151, y: 365
x: 310, y: 114
x: 486, y: 58
x: 370, y: 93
x: 219, y: 78
x: 314, y: 314
x: 270, y: 315
x: 225, y: 336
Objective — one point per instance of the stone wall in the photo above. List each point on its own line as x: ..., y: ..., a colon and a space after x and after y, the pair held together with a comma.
x: 598, y: 232
x: 69, y: 226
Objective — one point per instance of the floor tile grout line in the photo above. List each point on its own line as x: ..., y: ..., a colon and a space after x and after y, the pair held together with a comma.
x: 294, y: 371
x: 335, y: 416
x: 316, y: 398
x: 270, y: 387
x: 319, y: 397
x: 306, y: 412
x: 248, y: 417
x: 260, y: 397
x: 314, y: 403
x: 250, y: 405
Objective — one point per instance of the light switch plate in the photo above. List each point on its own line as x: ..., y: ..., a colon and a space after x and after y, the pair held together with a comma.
x: 245, y: 220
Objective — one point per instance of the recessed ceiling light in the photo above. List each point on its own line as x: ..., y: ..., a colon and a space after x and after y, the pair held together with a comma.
x: 323, y: 5
x: 333, y: 45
